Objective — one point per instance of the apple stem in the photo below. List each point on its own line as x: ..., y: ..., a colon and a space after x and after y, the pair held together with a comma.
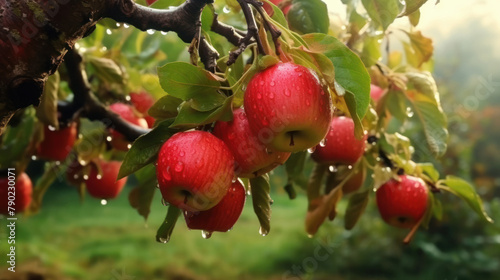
x: 410, y: 235
x: 291, y: 139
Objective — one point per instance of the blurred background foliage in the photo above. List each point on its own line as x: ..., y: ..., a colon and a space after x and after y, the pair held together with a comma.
x: 71, y: 240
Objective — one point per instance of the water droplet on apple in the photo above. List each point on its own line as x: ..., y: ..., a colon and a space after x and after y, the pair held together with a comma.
x: 129, y: 146
x: 288, y: 92
x: 230, y: 229
x: 104, y: 202
x: 308, y: 103
x: 99, y: 176
x: 271, y: 95
x: 268, y: 151
x: 182, y: 153
x: 52, y: 128
x: 259, y: 96
x: 263, y: 232
x: 157, y: 186
x: 179, y: 167
x: 166, y: 174
x: 109, y: 138
x: 235, y: 178
x: 322, y: 143
x: 261, y: 82
x: 349, y: 166
x: 85, y: 177
x: 273, y: 83
x: 311, y: 150
x: 332, y: 168
x: 206, y: 234
x: 33, y: 157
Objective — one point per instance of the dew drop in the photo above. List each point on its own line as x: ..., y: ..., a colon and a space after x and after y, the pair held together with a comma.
x: 33, y: 157
x: 164, y: 202
x: 226, y: 10
x: 409, y: 112
x: 206, y: 234
x: 82, y: 162
x: 108, y: 31
x: 99, y: 176
x: 118, y: 24
x: 259, y: 96
x: 128, y: 98
x: 109, y: 138
x: 349, y: 166
x: 104, y: 202
x: 269, y: 151
x: 271, y: 95
x: 179, y: 167
x: 182, y: 153
x: 164, y: 240
x: 85, y: 177
x: 235, y: 178
x: 157, y: 186
x: 311, y: 150
x: 163, y: 33
x: 151, y: 31
x: 166, y: 174
x: 262, y: 231
x: 126, y: 25
x: 129, y: 146
x: 288, y: 92
x: 273, y: 84
x: 322, y: 143
x: 308, y: 103
x: 332, y: 168
x: 52, y: 128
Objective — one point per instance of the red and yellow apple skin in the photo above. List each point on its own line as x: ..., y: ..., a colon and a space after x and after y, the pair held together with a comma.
x: 118, y: 141
x: 287, y: 107
x: 194, y: 170
x: 250, y: 155
x: 22, y: 194
x: 222, y: 216
x: 105, y: 185
x: 340, y: 146
x: 403, y: 204
x: 57, y: 144
x: 142, y: 102
x: 285, y: 9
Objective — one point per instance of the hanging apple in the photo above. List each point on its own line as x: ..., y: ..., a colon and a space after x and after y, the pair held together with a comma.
x: 22, y: 193
x: 57, y: 144
x: 118, y: 141
x: 104, y: 184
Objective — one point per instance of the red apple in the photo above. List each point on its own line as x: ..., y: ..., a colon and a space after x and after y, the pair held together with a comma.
x: 57, y: 144
x: 118, y: 141
x: 402, y: 204
x: 285, y: 7
x: 376, y: 92
x: 250, y: 155
x: 194, y: 170
x: 23, y: 188
x: 287, y: 107
x: 340, y: 146
x: 142, y: 101
x: 222, y: 216
x: 104, y: 185
x: 150, y: 2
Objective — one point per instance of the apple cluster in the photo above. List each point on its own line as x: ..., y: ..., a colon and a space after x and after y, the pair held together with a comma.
x: 286, y: 109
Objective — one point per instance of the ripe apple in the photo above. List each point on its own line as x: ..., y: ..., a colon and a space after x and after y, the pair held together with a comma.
x: 22, y: 193
x: 57, y: 144
x: 340, y: 146
x: 376, y: 92
x: 402, y: 204
x: 287, y: 107
x: 104, y: 185
x: 142, y: 102
x: 222, y: 216
x: 194, y: 170
x: 250, y: 155
x: 150, y: 2
x: 285, y: 7
x: 118, y: 141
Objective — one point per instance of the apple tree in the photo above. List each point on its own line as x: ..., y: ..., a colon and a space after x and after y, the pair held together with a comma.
x: 201, y: 99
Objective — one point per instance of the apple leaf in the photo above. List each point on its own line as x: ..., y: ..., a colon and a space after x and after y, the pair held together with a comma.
x: 420, y: 49
x: 467, y: 192
x: 371, y: 50
x: 355, y: 208
x: 47, y: 110
x: 429, y: 170
x: 106, y: 69
x: 189, y: 82
x: 145, y: 148
x: 382, y: 12
x: 422, y: 91
x: 350, y: 73
x: 16, y: 140
x: 190, y: 118
x: 294, y: 168
x: 414, y: 18
x: 395, y: 102
x: 278, y: 15
x: 308, y: 16
x: 141, y: 196
x: 165, y: 107
x: 93, y: 140
x: 411, y: 6
x: 261, y: 200
x: 167, y: 227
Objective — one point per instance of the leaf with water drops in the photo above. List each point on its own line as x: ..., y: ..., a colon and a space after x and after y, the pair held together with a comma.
x: 355, y: 208
x: 167, y: 227
x: 165, y: 107
x: 190, y: 118
x: 262, y: 202
x: 145, y: 148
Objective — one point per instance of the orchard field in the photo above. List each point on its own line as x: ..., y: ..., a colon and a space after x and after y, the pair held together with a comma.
x: 248, y: 139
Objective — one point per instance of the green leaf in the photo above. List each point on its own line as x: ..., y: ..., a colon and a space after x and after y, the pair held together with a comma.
x: 190, y: 118
x: 165, y: 4
x: 141, y: 196
x: 421, y: 47
x: 429, y: 170
x: 167, y: 227
x: 350, y: 73
x: 278, y: 15
x: 165, y: 107
x: 107, y: 70
x: 466, y: 191
x: 261, y: 200
x: 308, y: 16
x: 422, y: 91
x: 382, y: 12
x: 47, y: 110
x: 189, y: 82
x: 411, y: 6
x: 414, y: 18
x: 371, y: 51
x: 145, y: 149
x: 16, y: 140
x: 93, y: 141
x: 395, y: 102
x: 294, y: 167
x: 355, y: 208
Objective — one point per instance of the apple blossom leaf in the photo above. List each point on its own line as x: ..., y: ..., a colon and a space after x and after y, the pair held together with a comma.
x: 189, y: 117
x: 145, y: 149
x: 262, y: 201
x: 382, y: 12
x: 355, y: 208
x: 167, y: 227
x: 47, y: 110
x: 191, y: 83
x: 16, y: 140
x: 308, y: 16
x: 350, y: 73
x: 467, y: 192
x: 422, y: 92
x: 165, y: 107
x: 107, y: 69
x: 141, y: 196
x: 411, y: 6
